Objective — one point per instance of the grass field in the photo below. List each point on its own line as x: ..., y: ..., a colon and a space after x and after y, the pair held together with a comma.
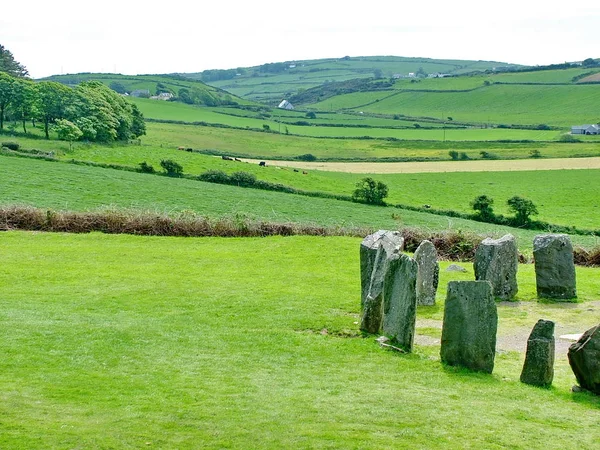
x: 253, y: 84
x: 553, y: 105
x: 130, y: 342
x: 83, y: 188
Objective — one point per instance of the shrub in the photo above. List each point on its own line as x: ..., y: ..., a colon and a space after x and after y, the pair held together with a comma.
x: 535, y: 153
x: 453, y: 154
x: 483, y: 206
x: 370, y: 191
x: 307, y: 157
x: 487, y: 155
x: 146, y: 168
x: 464, y: 156
x: 568, y: 138
x: 242, y: 178
x: 10, y: 145
x: 214, y: 176
x: 311, y: 115
x: 171, y: 168
x: 523, y: 208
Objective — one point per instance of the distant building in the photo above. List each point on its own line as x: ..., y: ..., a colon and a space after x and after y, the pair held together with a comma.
x: 140, y: 93
x: 585, y: 129
x: 162, y: 96
x: 285, y: 105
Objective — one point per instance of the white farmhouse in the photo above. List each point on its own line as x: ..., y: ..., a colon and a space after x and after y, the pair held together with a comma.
x: 285, y: 105
x: 585, y: 129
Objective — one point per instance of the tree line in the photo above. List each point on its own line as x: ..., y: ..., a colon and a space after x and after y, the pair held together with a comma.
x: 96, y: 111
x: 90, y: 111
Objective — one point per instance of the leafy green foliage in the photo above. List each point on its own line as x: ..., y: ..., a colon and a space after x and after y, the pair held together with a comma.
x: 146, y: 168
x: 523, y: 209
x: 171, y: 168
x: 67, y: 131
x: 9, y: 65
x: 483, y: 206
x: 370, y: 191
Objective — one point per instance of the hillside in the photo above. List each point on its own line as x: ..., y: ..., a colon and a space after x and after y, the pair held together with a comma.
x: 269, y: 83
x: 149, y: 85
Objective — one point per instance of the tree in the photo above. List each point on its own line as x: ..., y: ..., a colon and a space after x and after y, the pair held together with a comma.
x: 483, y: 206
x: 54, y: 99
x: 67, y: 131
x: 172, y: 169
x: 119, y: 88
x: 370, y: 191
x: 311, y: 115
x: 10, y: 66
x: 25, y: 100
x: 523, y: 208
x: 7, y: 94
x: 589, y: 62
x: 378, y: 74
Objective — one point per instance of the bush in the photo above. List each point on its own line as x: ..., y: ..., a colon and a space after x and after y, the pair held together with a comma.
x: 464, y: 156
x: 171, y: 168
x: 523, y: 208
x: 214, y: 176
x: 370, y: 191
x: 242, y: 178
x: 311, y: 115
x: 146, y: 168
x: 535, y: 153
x: 487, y: 155
x: 483, y: 206
x: 453, y: 154
x: 10, y: 145
x: 306, y: 157
x: 568, y: 138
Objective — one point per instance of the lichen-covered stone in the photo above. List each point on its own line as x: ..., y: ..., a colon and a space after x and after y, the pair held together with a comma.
x: 470, y: 326
x: 538, y: 369
x: 497, y: 261
x: 554, y: 266
x: 584, y: 358
x: 375, y: 252
x: 400, y: 301
x: 428, y: 274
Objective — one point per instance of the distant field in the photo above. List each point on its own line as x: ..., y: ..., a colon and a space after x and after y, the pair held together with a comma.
x: 252, y: 83
x: 83, y: 188
x: 500, y: 104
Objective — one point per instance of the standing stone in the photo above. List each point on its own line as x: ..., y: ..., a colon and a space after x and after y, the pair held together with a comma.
x: 497, y: 261
x: 470, y: 326
x: 538, y: 369
x: 554, y: 266
x: 428, y: 275
x: 584, y: 358
x: 375, y: 252
x: 400, y: 301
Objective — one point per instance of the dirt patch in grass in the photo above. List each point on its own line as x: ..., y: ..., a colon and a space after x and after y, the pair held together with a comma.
x: 591, y: 78
x: 443, y: 166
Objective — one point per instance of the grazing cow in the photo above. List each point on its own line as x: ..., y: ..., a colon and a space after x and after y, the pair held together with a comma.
x: 304, y: 172
x: 238, y: 160
x: 262, y: 164
x: 226, y: 158
x: 180, y: 148
x: 189, y: 149
x: 296, y: 170
x: 427, y: 206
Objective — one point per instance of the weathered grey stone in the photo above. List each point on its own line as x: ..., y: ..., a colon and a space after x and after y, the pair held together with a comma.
x: 470, y: 326
x: 375, y: 251
x: 400, y: 301
x: 538, y: 369
x: 584, y: 358
x: 428, y: 275
x: 497, y: 261
x: 455, y: 268
x: 554, y: 266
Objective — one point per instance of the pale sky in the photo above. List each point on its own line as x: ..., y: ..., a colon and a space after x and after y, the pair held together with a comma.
x: 134, y: 37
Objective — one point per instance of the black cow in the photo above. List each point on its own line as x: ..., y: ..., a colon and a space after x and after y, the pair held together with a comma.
x: 262, y: 164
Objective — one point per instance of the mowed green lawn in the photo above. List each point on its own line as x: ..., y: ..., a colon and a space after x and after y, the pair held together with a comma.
x: 140, y: 342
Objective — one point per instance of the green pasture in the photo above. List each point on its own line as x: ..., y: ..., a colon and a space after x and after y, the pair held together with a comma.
x: 542, y: 76
x: 156, y: 109
x: 81, y: 188
x: 142, y: 342
x: 501, y: 104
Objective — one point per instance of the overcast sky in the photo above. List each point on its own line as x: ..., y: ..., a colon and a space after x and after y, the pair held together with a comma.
x: 134, y: 37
